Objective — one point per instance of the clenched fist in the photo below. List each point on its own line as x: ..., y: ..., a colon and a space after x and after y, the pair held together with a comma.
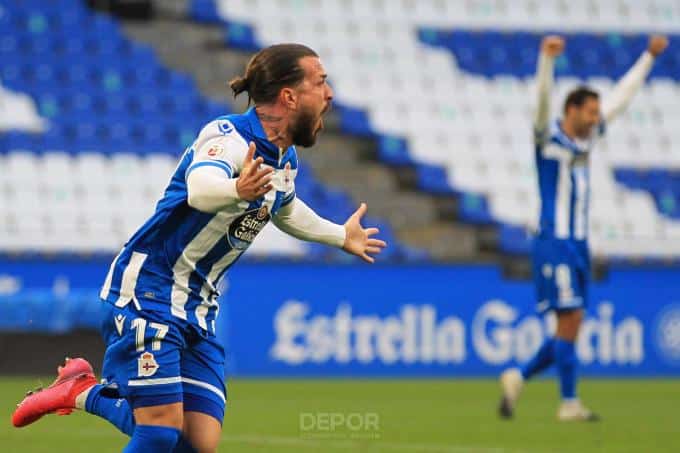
x: 657, y: 44
x: 552, y: 45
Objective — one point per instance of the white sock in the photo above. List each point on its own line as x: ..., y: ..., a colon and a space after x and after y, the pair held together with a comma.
x: 82, y: 398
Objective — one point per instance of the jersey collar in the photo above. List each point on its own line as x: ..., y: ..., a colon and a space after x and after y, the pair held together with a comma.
x: 579, y: 145
x: 263, y: 144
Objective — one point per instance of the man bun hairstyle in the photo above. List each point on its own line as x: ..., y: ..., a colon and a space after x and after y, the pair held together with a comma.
x: 238, y: 85
x: 270, y: 70
x: 579, y: 96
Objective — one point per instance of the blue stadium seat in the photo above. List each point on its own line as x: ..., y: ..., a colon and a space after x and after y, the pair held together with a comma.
x: 204, y: 11
x: 240, y: 36
x: 514, y: 240
x: 394, y: 150
x: 433, y: 179
x: 473, y: 208
x: 43, y: 311
x: 354, y: 121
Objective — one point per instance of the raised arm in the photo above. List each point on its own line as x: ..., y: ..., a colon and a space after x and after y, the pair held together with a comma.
x: 624, y: 91
x: 551, y: 47
x: 300, y: 221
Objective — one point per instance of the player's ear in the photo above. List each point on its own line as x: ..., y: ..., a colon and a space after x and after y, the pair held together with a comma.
x: 289, y: 98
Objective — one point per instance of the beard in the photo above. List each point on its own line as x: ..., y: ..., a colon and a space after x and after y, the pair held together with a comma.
x: 303, y: 131
x: 585, y: 131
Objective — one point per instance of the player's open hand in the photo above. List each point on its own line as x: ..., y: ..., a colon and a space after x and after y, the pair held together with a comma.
x: 358, y: 240
x: 552, y: 45
x: 253, y: 182
x: 657, y: 44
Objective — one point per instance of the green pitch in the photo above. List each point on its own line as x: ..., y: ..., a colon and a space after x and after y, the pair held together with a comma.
x: 392, y: 416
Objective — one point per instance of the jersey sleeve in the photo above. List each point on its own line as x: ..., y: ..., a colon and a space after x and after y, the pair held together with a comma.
x: 301, y: 222
x: 541, y: 135
x: 625, y: 89
x: 219, y: 145
x: 544, y: 84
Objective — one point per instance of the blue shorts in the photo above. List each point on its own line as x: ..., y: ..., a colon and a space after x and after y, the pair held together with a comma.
x: 561, y: 270
x: 151, y: 361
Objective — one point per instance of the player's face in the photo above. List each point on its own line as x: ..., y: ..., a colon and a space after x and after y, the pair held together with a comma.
x: 314, y: 100
x: 585, y: 117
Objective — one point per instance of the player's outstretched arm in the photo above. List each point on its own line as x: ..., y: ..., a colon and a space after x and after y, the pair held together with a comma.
x: 551, y: 47
x: 300, y: 221
x: 624, y: 91
x: 358, y: 240
x: 210, y: 189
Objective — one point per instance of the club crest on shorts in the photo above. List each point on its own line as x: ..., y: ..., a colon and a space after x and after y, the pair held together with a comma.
x: 146, y: 365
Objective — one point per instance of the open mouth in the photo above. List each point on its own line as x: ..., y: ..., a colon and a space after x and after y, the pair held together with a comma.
x: 323, y: 113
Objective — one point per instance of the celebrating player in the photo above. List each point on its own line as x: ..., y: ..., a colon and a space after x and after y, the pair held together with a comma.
x: 163, y: 371
x: 561, y: 260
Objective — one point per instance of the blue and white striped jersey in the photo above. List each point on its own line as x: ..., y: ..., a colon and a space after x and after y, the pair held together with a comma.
x: 564, y: 182
x: 173, y: 263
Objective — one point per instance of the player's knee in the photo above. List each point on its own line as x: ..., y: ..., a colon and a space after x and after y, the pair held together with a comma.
x: 568, y: 324
x: 202, y: 444
x: 202, y: 422
x: 202, y: 432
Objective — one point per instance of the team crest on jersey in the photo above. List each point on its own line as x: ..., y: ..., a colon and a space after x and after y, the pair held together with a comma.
x: 146, y: 365
x: 245, y: 228
x: 215, y: 151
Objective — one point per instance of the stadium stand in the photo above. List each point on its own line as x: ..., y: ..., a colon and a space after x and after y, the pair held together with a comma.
x: 457, y: 102
x: 114, y: 118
